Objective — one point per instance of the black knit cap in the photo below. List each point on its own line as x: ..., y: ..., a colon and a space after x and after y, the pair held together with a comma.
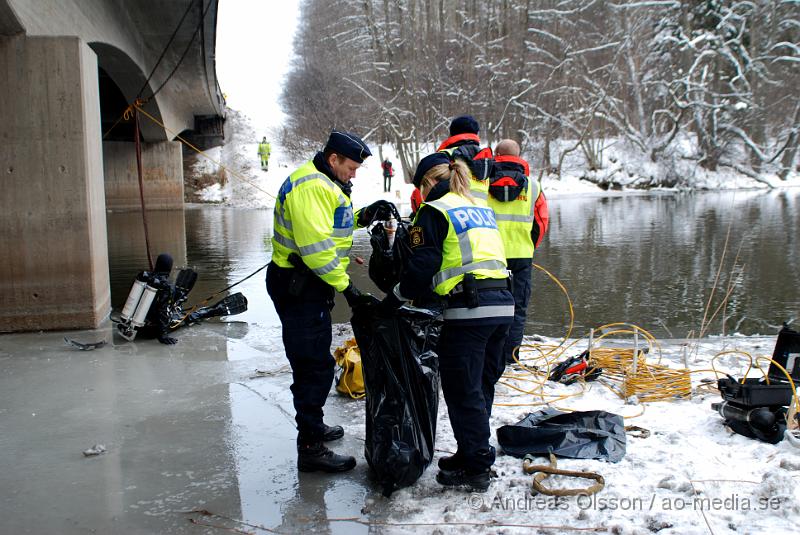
x: 348, y: 145
x: 429, y: 161
x: 465, y: 124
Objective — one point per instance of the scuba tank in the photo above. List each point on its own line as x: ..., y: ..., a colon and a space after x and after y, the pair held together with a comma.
x: 137, y: 305
x: 762, y: 423
x: 133, y: 299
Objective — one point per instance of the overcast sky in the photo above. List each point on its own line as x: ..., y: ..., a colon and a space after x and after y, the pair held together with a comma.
x: 254, y: 47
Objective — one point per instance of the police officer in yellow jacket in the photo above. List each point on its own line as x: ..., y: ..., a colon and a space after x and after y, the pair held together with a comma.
x: 513, y: 196
x: 457, y: 252
x: 312, y: 237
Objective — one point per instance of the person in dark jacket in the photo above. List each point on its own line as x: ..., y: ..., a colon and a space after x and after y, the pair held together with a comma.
x: 464, y: 144
x: 515, y: 198
x: 388, y: 173
x: 457, y: 252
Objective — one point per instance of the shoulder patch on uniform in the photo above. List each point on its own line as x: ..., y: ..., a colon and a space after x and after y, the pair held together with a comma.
x: 415, y: 236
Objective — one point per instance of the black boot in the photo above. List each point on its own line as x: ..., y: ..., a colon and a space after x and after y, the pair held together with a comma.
x: 332, y: 433
x: 316, y: 457
x: 454, y: 462
x: 473, y: 481
x: 451, y: 462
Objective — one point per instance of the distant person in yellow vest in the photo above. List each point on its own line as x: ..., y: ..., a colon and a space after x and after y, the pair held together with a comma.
x: 263, y: 152
x: 521, y: 212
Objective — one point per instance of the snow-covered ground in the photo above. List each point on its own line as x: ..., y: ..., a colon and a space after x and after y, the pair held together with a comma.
x: 691, y: 475
x: 249, y: 186
x: 625, y: 168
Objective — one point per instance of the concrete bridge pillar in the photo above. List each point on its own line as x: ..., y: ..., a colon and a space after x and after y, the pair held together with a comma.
x: 53, y: 245
x: 162, y: 175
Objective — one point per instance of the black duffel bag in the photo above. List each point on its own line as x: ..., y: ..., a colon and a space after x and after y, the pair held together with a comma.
x: 576, y: 435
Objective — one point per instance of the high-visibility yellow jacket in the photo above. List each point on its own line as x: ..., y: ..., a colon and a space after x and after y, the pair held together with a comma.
x: 515, y: 218
x: 263, y: 149
x: 473, y: 243
x: 314, y: 219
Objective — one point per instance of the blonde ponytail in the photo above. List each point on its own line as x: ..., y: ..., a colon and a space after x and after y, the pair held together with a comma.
x: 460, y: 175
x: 457, y: 173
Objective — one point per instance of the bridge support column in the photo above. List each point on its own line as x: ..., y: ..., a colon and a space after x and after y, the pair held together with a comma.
x: 53, y: 245
x: 162, y: 175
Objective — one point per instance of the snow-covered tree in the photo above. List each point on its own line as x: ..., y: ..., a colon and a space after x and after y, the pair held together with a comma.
x: 720, y: 72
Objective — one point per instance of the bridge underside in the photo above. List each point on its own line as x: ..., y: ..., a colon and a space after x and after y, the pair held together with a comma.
x: 66, y: 159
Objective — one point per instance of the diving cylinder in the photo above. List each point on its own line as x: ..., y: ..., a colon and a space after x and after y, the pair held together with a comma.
x: 133, y: 299
x: 149, y: 293
x: 754, y: 422
x: 759, y: 418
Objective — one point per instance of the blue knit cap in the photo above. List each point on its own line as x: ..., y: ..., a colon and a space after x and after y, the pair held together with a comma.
x: 428, y: 162
x: 348, y: 145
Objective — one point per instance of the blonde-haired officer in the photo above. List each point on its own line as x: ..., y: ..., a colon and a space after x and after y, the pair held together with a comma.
x: 457, y: 252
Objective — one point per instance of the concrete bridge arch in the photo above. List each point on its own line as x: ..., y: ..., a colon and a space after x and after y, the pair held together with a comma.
x: 129, y: 79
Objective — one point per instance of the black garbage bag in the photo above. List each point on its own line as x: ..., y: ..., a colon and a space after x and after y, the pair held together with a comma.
x: 577, y: 435
x: 388, y: 256
x: 401, y: 378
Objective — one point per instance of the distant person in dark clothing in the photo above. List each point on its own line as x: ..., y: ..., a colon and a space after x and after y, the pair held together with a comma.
x: 388, y: 173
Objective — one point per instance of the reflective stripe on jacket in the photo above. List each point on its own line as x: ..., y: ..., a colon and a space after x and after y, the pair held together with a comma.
x: 472, y: 245
x: 515, y: 218
x: 314, y: 219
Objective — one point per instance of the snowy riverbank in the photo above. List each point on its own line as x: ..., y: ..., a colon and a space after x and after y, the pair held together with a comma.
x: 623, y: 171
x: 690, y: 475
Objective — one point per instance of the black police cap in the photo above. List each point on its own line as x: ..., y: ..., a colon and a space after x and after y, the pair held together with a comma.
x: 349, y: 145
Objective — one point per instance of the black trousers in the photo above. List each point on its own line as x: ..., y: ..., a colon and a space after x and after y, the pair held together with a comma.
x: 470, y: 363
x: 306, y: 329
x: 521, y: 290
x: 387, y: 183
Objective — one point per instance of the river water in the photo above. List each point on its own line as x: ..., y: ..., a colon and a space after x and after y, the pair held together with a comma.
x: 650, y: 259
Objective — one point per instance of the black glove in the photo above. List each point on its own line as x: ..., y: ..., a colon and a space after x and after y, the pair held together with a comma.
x: 358, y: 300
x: 389, y: 305
x: 378, y: 211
